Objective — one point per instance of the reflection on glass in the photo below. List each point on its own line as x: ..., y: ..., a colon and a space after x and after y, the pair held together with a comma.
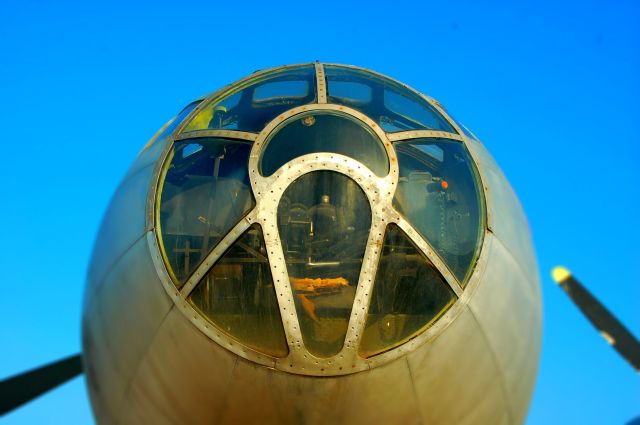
x: 205, y: 192
x: 237, y: 295
x: 467, y: 132
x: 281, y: 89
x: 409, y: 295
x: 324, y: 220
x: 350, y: 92
x: 252, y: 104
x: 438, y: 194
x: 324, y: 132
x: 393, y: 106
x: 463, y: 127
x: 175, y: 122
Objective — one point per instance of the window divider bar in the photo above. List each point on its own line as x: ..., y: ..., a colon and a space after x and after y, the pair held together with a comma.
x: 321, y: 83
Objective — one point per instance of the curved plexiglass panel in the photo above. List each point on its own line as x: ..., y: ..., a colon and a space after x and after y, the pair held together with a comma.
x: 409, y: 294
x: 250, y: 105
x: 237, y: 295
x: 204, y: 193
x: 176, y: 121
x: 393, y: 106
x: 324, y: 220
x: 324, y: 131
x: 466, y: 131
x: 463, y: 127
x: 439, y: 195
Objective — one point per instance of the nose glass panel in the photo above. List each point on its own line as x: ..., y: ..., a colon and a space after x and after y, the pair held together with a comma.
x: 392, y: 105
x: 324, y: 132
x: 237, y: 295
x: 409, y: 294
x: 205, y: 192
x: 324, y: 220
x: 249, y: 106
x: 439, y: 194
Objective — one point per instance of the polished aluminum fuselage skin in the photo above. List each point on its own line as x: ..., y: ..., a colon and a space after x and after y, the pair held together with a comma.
x: 146, y: 362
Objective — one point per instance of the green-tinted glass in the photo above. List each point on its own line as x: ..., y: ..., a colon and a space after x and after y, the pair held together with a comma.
x: 409, y: 294
x: 178, y: 119
x: 237, y: 295
x: 249, y: 106
x: 205, y: 192
x: 393, y: 106
x: 323, y: 131
x: 439, y: 195
x: 324, y: 220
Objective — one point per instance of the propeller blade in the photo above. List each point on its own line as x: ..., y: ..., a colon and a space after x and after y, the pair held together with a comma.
x: 20, y: 389
x: 609, y: 327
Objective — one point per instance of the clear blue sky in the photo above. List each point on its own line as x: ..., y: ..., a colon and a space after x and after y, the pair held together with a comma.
x: 550, y: 87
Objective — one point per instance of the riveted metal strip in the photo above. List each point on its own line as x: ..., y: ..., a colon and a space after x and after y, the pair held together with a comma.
x: 227, y: 134
x: 300, y: 360
x: 161, y: 269
x: 422, y: 134
x: 368, y: 272
x: 430, y: 253
x: 321, y: 83
x: 216, y: 253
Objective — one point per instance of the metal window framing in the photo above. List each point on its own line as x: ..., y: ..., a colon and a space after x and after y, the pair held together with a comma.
x: 267, y: 192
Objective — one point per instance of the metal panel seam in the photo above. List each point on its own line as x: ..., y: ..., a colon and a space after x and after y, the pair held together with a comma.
x: 127, y: 389
x: 226, y: 399
x: 126, y: 177
x: 108, y: 269
x: 112, y: 266
x: 520, y: 267
x: 413, y: 391
x: 494, y: 358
